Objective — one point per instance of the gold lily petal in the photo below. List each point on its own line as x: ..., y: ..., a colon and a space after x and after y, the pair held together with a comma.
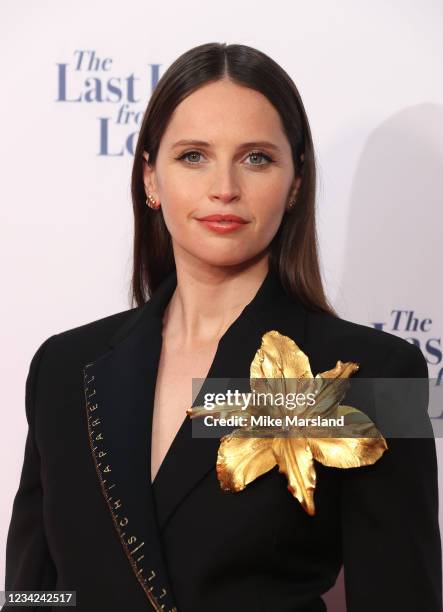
x: 277, y: 359
x: 347, y: 452
x: 341, y: 370
x: 364, y: 446
x: 279, y: 356
x: 295, y: 459
x: 332, y: 386
x: 242, y: 460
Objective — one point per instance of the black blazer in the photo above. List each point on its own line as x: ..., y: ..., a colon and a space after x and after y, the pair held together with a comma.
x: 86, y: 517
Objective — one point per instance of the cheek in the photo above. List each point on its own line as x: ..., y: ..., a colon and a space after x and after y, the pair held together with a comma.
x: 268, y: 213
x: 175, y: 212
x: 178, y: 204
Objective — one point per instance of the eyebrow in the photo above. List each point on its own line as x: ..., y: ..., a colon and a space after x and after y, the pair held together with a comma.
x: 244, y: 145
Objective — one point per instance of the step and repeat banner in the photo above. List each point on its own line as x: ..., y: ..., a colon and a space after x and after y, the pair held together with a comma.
x: 76, y: 80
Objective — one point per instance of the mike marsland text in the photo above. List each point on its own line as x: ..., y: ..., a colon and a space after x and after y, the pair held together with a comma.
x: 268, y: 421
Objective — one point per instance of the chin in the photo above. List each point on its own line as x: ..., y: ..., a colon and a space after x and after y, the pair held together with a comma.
x: 222, y: 260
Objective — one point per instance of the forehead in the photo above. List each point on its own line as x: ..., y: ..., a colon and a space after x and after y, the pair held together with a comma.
x: 222, y: 109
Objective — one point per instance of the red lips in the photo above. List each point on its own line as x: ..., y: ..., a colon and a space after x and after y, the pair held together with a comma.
x: 234, y: 218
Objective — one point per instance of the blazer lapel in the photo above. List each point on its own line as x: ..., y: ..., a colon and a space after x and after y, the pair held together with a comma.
x: 120, y: 390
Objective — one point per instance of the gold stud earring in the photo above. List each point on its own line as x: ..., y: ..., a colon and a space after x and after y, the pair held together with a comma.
x: 291, y: 204
x: 152, y: 202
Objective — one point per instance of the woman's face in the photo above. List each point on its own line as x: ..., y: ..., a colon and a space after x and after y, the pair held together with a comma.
x: 222, y: 174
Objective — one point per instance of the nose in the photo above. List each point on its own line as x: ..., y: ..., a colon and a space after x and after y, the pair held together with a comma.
x: 224, y: 188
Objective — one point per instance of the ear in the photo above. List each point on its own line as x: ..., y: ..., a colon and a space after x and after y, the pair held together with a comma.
x: 148, y: 176
x: 296, y: 187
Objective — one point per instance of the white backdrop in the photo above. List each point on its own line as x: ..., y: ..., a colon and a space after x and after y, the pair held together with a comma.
x: 369, y: 75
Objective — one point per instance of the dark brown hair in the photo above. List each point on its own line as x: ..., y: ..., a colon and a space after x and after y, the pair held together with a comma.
x: 293, y: 250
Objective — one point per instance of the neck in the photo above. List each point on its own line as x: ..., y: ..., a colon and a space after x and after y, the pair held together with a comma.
x: 207, y: 300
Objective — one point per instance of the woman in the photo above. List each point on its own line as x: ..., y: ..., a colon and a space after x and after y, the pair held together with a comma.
x: 122, y: 504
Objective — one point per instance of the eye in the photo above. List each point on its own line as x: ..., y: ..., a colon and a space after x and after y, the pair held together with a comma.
x: 185, y: 155
x: 262, y: 155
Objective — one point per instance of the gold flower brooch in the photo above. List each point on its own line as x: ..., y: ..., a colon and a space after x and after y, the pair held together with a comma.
x: 281, y: 367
